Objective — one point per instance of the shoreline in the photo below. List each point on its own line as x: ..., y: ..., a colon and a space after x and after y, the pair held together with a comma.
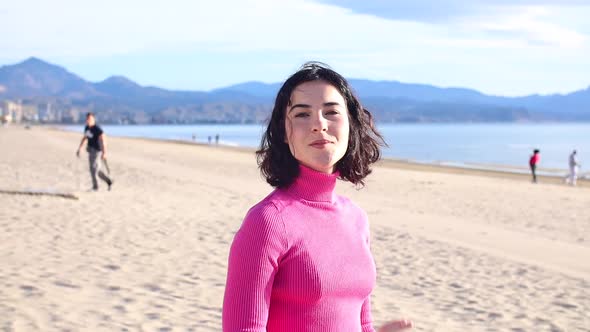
x: 545, y: 175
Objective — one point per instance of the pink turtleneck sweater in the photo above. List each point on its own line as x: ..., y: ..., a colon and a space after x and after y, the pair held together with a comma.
x: 301, y: 262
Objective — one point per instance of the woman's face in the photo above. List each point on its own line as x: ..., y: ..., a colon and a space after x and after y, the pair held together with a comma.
x: 317, y: 126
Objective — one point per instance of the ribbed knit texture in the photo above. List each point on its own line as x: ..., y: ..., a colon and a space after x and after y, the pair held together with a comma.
x: 301, y: 262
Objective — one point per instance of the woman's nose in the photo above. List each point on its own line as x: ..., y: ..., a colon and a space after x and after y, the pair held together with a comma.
x: 319, y: 123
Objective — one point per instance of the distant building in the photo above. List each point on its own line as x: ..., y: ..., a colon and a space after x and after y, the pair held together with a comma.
x: 5, y: 117
x: 30, y: 113
x: 47, y: 114
x: 71, y: 115
x: 12, y: 112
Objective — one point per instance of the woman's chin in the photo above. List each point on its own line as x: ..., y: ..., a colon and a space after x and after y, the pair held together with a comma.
x: 320, y: 167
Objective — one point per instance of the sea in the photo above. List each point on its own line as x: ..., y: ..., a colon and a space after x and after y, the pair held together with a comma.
x: 497, y: 146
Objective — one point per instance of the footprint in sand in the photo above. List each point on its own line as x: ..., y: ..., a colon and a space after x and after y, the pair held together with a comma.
x: 31, y: 291
x: 66, y: 284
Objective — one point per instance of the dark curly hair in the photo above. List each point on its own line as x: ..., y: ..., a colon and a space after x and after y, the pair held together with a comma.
x: 279, y: 166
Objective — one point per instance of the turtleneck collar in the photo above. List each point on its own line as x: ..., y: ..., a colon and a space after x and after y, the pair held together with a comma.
x: 312, y: 185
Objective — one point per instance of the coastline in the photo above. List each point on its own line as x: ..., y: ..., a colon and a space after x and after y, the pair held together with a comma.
x: 545, y: 175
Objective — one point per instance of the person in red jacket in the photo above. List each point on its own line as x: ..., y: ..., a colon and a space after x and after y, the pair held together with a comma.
x: 533, y: 163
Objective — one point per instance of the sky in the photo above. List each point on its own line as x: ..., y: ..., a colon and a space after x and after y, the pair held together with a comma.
x: 498, y: 47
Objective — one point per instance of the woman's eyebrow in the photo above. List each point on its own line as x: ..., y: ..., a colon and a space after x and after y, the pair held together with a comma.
x: 330, y: 103
x: 299, y: 105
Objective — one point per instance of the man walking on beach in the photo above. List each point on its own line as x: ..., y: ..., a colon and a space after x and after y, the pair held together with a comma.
x: 574, y: 165
x: 96, y: 144
x: 533, y: 163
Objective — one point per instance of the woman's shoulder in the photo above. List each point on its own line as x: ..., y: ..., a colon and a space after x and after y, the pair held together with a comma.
x: 264, y: 207
x: 267, y: 210
x: 278, y: 201
x: 349, y: 203
x: 264, y: 218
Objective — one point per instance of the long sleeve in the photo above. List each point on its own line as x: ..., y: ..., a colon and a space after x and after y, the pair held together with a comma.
x: 253, y: 262
x: 366, y: 318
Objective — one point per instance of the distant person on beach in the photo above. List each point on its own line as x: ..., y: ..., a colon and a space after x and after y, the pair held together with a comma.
x: 209, y: 139
x: 95, y: 137
x: 533, y: 161
x: 301, y: 260
x: 574, y: 165
x: 216, y: 139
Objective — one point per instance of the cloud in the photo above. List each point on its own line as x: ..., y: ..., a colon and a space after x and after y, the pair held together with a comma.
x: 442, y: 42
x: 529, y: 26
x: 501, y: 22
x: 111, y: 27
x: 440, y: 11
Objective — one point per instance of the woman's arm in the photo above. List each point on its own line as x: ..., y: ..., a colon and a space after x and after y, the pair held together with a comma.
x: 396, y: 325
x: 253, y: 262
x: 366, y: 319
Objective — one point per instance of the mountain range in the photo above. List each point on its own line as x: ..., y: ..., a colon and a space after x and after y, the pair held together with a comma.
x: 120, y: 100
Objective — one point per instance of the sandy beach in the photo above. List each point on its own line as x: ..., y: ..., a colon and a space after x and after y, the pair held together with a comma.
x: 456, y: 250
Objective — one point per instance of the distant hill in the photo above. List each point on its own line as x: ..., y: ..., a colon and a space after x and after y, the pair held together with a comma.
x: 120, y: 100
x: 258, y: 89
x: 34, y: 77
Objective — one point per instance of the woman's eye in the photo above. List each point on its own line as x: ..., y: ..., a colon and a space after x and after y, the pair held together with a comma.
x: 301, y: 115
x: 332, y: 112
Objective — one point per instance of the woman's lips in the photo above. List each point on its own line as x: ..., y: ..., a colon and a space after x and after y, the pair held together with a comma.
x: 320, y: 143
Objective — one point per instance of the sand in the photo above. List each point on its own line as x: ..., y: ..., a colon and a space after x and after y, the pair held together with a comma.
x: 455, y: 250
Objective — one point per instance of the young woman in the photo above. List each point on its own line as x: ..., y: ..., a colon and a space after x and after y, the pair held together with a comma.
x: 301, y: 260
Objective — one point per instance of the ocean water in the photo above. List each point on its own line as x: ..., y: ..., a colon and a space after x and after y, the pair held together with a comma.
x: 496, y: 146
